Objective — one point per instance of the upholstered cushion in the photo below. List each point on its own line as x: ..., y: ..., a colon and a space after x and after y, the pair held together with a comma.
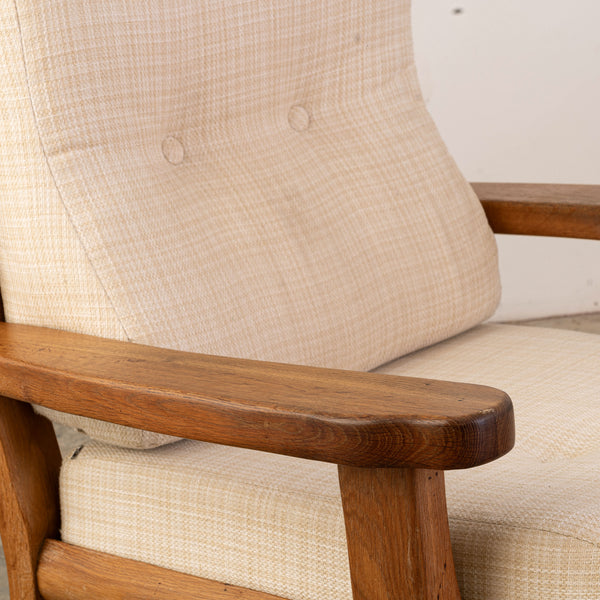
x: 226, y: 177
x: 45, y: 275
x: 526, y: 527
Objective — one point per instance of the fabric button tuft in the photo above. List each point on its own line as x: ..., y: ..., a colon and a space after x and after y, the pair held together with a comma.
x: 299, y: 118
x: 173, y: 150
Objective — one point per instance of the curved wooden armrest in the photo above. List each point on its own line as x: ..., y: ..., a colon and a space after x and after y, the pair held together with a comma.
x: 542, y: 209
x: 345, y: 417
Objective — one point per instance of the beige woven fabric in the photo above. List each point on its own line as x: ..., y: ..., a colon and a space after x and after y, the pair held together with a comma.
x: 234, y: 178
x: 526, y: 527
x: 259, y: 520
x: 45, y: 275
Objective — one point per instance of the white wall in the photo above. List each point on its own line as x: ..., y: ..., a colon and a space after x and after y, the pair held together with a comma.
x: 514, y: 87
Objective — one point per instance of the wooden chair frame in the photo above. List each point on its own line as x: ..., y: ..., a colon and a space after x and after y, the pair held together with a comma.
x: 391, y: 437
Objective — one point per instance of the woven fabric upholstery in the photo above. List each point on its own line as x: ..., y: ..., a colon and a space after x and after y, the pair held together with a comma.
x: 525, y: 527
x: 233, y: 178
x: 46, y: 276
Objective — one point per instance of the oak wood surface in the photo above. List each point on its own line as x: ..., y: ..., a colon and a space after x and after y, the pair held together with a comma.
x: 69, y: 572
x: 398, y: 535
x: 542, y: 209
x: 29, y: 465
x: 345, y: 417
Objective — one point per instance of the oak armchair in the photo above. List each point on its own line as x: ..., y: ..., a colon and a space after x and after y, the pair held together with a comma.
x: 259, y: 201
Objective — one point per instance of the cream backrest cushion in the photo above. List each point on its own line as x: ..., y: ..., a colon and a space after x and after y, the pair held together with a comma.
x: 233, y: 177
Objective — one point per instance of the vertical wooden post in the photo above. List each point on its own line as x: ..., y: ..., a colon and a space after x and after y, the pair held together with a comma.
x: 398, y: 535
x: 29, y: 513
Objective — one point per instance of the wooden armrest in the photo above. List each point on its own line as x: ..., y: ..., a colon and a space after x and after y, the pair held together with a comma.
x: 345, y: 417
x: 542, y: 209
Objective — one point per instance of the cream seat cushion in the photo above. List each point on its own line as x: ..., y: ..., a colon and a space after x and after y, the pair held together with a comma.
x: 526, y: 527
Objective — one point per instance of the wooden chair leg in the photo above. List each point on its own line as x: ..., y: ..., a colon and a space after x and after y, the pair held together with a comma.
x: 29, y: 513
x: 398, y: 535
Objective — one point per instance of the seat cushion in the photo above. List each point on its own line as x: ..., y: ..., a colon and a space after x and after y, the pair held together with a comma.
x: 222, y: 177
x: 524, y: 527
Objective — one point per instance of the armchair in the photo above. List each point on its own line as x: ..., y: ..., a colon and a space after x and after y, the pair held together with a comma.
x: 256, y: 207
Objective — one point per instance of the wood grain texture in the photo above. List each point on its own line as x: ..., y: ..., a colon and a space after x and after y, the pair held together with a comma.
x: 344, y: 417
x: 69, y: 572
x: 29, y: 466
x: 398, y: 535
x: 542, y: 209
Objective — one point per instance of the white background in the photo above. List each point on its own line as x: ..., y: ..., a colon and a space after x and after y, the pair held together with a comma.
x: 514, y: 87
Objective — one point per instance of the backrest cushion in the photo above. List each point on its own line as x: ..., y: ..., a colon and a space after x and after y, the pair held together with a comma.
x: 234, y: 177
